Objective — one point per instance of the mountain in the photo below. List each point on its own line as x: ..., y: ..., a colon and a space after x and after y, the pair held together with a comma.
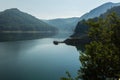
x: 64, y: 24
x: 99, y: 10
x: 14, y: 19
x: 115, y: 9
x: 14, y: 23
x: 69, y: 24
x: 81, y: 28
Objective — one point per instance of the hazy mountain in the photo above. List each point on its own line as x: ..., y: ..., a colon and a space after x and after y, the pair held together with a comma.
x: 68, y: 24
x: 99, y: 10
x: 115, y: 9
x: 64, y: 24
x: 13, y: 21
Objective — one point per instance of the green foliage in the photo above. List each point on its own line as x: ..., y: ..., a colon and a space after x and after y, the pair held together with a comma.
x: 69, y: 77
x: 101, y: 57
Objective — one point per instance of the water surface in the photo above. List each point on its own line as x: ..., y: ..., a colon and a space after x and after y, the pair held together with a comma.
x: 37, y: 60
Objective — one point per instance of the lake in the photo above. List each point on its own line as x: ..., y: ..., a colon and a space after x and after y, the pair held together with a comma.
x: 37, y: 60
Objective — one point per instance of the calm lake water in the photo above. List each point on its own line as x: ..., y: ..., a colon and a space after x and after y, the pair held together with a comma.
x: 37, y: 60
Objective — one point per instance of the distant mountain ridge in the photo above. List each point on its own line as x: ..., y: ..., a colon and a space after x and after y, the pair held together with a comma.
x: 18, y: 25
x: 15, y: 19
x: 64, y: 24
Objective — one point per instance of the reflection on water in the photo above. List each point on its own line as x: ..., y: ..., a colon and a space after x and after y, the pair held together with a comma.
x: 37, y: 60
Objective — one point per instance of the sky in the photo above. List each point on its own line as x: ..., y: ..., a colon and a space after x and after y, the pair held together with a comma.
x: 50, y: 9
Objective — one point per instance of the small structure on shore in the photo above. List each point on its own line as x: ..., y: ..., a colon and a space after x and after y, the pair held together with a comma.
x: 78, y: 42
x: 57, y: 42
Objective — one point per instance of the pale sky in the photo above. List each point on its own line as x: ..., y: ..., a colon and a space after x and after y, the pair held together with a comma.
x: 49, y: 9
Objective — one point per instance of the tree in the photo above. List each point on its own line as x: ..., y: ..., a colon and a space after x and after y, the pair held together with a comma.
x: 101, y: 57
